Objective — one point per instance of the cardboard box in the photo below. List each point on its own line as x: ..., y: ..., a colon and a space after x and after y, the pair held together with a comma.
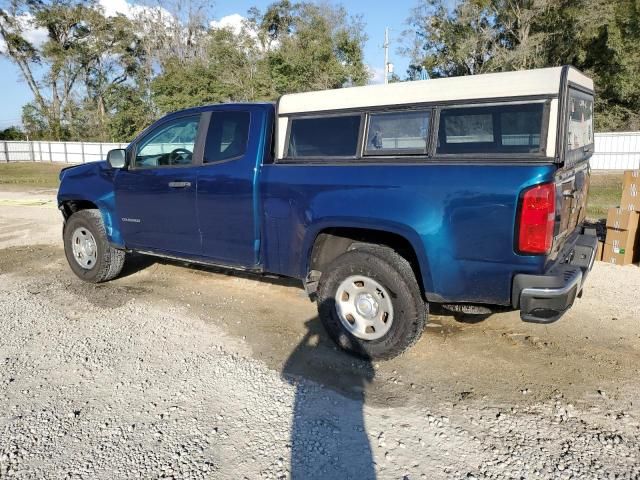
x: 610, y: 256
x: 630, y: 198
x: 619, y: 246
x: 630, y: 177
x: 631, y: 191
x: 622, y: 219
x: 599, y: 251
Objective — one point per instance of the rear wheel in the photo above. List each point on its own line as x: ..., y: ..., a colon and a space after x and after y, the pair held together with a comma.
x: 370, y: 303
x: 87, y: 248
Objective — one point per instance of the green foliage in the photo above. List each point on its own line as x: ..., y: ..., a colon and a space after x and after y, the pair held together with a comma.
x: 599, y: 37
x: 131, y: 111
x: 231, y: 71
x: 12, y: 133
x: 84, y: 57
x: 288, y: 48
x: 106, y: 78
x: 35, y: 123
x: 320, y: 48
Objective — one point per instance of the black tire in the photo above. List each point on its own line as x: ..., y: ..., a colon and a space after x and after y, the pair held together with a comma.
x: 109, y: 260
x: 395, y: 274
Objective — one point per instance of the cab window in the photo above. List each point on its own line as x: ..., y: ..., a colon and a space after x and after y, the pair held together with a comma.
x: 227, y: 136
x: 171, y: 144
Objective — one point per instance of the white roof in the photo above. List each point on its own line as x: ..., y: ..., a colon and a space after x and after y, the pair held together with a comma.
x: 543, y: 81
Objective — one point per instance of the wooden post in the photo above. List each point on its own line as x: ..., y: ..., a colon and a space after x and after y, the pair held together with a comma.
x: 66, y: 157
x: 6, y: 152
x: 50, y: 156
x: 32, y: 152
x: 40, y: 150
x: 82, y: 151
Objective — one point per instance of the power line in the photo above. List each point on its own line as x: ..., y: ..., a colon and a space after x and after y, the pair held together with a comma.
x: 386, y: 55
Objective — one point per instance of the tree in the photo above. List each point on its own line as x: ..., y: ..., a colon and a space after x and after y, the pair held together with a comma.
x: 131, y: 110
x: 118, y: 68
x: 98, y: 77
x: 451, y: 43
x: 317, y: 47
x: 12, y: 133
x: 599, y: 37
x: 84, y: 55
x: 288, y: 48
x: 231, y: 71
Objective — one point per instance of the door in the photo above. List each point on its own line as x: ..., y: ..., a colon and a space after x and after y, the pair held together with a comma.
x: 573, y: 177
x: 156, y: 195
x: 226, y: 188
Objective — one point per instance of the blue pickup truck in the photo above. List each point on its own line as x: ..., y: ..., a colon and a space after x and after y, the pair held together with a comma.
x: 466, y: 192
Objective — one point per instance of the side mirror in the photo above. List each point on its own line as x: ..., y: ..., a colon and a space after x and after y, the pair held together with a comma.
x: 117, y: 158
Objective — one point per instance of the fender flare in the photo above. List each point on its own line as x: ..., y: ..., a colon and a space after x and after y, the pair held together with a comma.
x: 106, y: 206
x: 404, y: 231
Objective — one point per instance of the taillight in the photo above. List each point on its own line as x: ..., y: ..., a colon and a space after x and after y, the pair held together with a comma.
x: 537, y: 219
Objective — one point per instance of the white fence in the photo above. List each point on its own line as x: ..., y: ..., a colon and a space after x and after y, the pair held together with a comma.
x: 613, y: 151
x: 616, y: 151
x: 60, y: 152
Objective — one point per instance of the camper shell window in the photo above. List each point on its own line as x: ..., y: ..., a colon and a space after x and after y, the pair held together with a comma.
x: 400, y: 133
x: 580, y: 120
x: 492, y: 129
x: 324, y: 137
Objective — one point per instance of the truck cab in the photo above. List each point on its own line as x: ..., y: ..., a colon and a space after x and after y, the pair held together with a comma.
x: 467, y: 192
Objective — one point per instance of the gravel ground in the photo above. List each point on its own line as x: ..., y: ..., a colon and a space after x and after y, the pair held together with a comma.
x: 179, y: 373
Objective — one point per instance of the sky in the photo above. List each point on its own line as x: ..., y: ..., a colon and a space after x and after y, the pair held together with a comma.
x: 14, y: 93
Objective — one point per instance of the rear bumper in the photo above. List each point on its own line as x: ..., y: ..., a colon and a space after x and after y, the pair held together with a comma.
x: 545, y: 298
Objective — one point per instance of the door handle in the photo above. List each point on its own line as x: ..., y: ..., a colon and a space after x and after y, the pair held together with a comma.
x: 179, y: 184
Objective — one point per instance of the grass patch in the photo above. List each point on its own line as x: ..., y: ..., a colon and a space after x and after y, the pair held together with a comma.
x: 605, y: 192
x: 31, y: 174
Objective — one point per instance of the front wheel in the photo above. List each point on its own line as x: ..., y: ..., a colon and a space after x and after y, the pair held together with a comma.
x: 87, y: 248
x: 370, y: 303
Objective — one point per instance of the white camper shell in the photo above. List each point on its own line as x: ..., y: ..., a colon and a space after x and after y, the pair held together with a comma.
x: 543, y: 115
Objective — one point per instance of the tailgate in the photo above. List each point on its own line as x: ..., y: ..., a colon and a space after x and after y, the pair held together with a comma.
x: 572, y: 188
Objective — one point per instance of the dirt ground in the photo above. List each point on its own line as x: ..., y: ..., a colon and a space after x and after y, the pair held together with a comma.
x: 515, y: 400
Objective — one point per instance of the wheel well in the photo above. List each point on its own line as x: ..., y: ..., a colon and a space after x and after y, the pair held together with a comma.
x: 333, y: 242
x: 70, y: 207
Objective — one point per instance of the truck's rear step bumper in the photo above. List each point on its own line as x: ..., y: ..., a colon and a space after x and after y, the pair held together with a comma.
x: 545, y: 298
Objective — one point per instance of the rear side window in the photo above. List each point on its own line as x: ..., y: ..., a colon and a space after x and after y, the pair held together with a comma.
x: 227, y: 136
x: 324, y: 136
x: 491, y: 129
x: 580, y: 127
x: 397, y: 132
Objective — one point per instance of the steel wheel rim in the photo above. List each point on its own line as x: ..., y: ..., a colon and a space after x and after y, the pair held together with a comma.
x: 84, y: 248
x: 364, y: 307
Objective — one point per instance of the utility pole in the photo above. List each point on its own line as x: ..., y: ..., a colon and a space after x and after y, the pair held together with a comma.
x: 386, y: 55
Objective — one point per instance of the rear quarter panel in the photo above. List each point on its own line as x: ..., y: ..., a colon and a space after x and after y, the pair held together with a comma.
x: 460, y: 219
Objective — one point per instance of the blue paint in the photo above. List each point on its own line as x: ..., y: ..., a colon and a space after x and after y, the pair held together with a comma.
x: 251, y: 213
x: 153, y: 215
x: 459, y: 219
x: 263, y: 151
x: 229, y: 196
x: 93, y: 182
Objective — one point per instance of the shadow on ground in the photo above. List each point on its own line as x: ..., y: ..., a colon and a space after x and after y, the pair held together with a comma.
x: 138, y: 262
x: 328, y: 434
